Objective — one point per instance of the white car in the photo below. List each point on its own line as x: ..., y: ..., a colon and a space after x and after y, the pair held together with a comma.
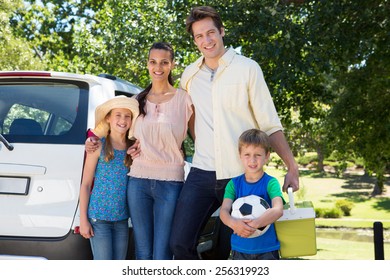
x: 44, y: 118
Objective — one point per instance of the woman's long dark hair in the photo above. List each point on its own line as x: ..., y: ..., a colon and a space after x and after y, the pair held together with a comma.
x: 141, y: 97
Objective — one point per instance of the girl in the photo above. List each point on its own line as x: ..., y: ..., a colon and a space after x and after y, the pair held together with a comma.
x: 103, y: 209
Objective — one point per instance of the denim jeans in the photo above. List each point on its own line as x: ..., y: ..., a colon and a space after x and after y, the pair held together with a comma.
x: 152, y: 205
x: 202, y: 194
x: 110, y: 239
x: 274, y: 255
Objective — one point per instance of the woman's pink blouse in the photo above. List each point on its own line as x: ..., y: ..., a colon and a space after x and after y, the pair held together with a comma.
x: 161, y: 133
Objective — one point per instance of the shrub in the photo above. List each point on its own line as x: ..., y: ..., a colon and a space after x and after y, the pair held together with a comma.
x: 306, y: 159
x: 328, y: 212
x: 345, y: 206
x: 333, y: 213
x: 319, y: 212
x: 340, y: 168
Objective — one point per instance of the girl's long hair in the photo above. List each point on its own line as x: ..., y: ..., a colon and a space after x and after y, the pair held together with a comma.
x: 141, y: 97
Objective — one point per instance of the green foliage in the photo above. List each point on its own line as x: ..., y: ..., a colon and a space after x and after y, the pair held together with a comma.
x: 307, y: 159
x: 331, y: 213
x: 189, y: 148
x: 340, y: 167
x: 276, y: 161
x: 327, y: 63
x: 319, y: 212
x: 15, y: 52
x: 360, y: 114
x: 105, y: 36
x: 345, y: 206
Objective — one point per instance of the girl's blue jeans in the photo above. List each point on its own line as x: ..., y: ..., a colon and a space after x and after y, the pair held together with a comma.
x: 110, y: 239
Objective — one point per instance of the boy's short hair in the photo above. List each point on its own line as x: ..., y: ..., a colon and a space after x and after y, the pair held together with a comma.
x: 202, y: 12
x: 254, y: 137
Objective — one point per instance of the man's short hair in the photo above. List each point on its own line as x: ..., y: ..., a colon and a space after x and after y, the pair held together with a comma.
x: 202, y: 12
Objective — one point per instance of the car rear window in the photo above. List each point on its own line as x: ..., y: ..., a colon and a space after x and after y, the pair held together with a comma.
x: 43, y: 111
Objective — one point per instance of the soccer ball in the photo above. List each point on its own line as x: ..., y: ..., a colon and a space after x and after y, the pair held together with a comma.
x: 250, y: 207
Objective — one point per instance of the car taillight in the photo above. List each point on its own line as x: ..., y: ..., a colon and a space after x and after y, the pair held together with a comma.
x: 76, y: 230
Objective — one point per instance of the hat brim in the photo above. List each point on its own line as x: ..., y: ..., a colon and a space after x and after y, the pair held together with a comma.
x: 101, y: 126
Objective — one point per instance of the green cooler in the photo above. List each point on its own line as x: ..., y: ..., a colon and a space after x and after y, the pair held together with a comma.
x: 296, y: 229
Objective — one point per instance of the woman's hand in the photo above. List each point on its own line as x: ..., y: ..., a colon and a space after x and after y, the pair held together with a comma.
x: 92, y: 144
x: 134, y: 150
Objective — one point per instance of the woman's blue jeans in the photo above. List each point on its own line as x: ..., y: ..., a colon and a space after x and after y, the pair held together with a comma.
x: 110, y: 239
x: 152, y: 206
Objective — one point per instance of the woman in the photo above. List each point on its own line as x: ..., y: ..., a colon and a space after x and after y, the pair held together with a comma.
x: 157, y: 175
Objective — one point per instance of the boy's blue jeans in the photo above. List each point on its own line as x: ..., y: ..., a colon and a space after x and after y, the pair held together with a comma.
x: 274, y: 255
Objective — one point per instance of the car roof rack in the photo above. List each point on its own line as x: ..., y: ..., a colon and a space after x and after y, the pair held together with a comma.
x: 108, y: 76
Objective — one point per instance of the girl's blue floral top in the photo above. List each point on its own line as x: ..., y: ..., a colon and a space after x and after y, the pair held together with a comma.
x: 108, y: 198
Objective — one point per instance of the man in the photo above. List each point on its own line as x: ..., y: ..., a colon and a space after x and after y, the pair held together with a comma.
x: 230, y: 96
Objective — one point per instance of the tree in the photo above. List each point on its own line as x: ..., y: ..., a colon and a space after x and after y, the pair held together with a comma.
x: 102, y: 36
x: 361, y: 116
x: 15, y: 52
x: 360, y: 66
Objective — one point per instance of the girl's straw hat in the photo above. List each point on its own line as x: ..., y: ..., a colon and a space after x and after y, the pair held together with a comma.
x: 101, y: 126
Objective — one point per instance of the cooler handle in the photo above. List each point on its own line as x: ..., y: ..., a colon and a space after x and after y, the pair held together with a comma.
x: 291, y: 199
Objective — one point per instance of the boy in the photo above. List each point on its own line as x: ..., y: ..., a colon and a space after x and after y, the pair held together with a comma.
x: 254, y: 152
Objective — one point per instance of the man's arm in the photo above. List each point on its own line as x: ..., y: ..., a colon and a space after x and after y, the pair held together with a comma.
x: 280, y: 146
x: 191, y: 124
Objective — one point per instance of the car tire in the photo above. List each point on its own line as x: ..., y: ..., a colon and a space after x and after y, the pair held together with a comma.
x: 221, y: 251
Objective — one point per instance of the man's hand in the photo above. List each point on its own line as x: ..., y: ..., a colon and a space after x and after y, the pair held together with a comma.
x: 291, y: 179
x: 92, y: 144
x: 134, y: 150
x: 281, y: 147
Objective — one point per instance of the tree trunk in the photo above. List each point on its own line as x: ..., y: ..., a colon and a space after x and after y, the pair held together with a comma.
x: 379, y: 186
x: 320, y: 167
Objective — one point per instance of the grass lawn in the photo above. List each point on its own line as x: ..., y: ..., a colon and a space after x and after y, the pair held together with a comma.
x: 336, y: 249
x: 323, y: 190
